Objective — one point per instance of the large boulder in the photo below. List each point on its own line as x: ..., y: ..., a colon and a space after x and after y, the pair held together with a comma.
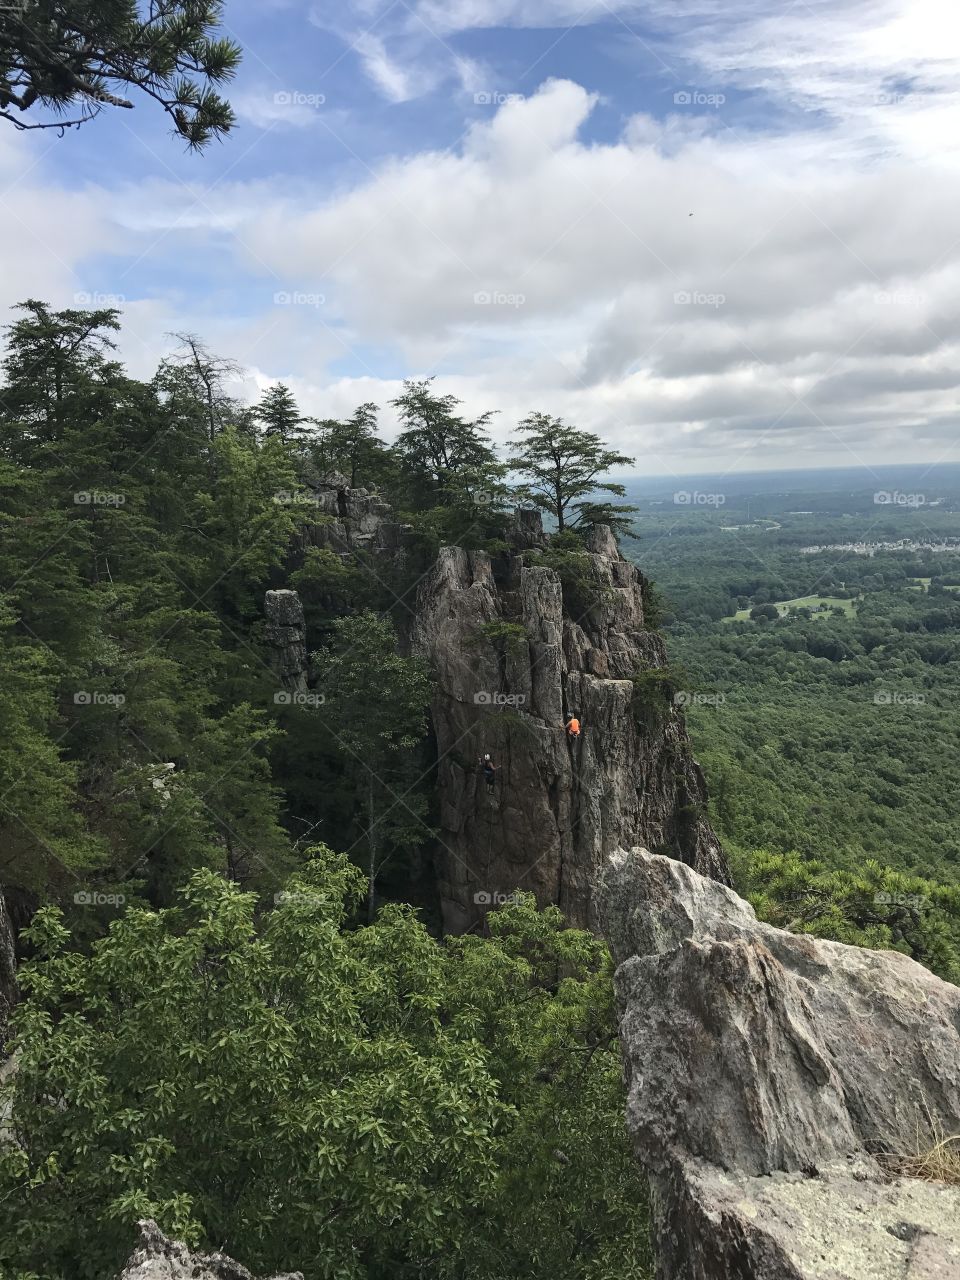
x: 514, y: 652
x: 776, y: 1082
x: 158, y: 1258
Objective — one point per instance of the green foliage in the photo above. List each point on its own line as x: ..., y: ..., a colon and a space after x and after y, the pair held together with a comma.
x: 446, y: 461
x: 655, y: 692
x: 506, y: 637
x: 280, y: 416
x: 139, y: 535
x: 354, y: 448
x: 583, y: 590
x: 870, y: 907
x: 375, y: 704
x: 560, y: 465
x: 764, y: 613
x: 75, y: 58
x: 568, y: 540
x: 363, y: 1103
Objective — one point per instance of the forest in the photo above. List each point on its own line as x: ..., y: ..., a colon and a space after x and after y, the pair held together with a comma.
x: 246, y: 1008
x: 821, y: 693
x: 179, y: 834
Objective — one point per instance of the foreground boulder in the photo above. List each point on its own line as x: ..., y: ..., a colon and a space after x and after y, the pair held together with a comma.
x: 775, y: 1082
x: 158, y: 1258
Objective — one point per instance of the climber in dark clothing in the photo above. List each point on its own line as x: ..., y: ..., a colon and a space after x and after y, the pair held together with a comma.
x: 489, y: 771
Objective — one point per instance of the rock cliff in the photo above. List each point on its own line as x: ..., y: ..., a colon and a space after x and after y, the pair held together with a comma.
x: 514, y: 648
x: 775, y: 1085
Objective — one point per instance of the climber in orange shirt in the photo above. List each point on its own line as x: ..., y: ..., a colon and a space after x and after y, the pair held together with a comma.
x: 573, y: 727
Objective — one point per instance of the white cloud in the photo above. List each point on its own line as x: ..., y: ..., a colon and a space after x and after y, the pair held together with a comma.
x: 396, y: 83
x: 288, y: 108
x: 700, y: 292
x: 811, y: 282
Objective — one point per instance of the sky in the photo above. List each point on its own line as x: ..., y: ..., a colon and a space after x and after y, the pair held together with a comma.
x: 723, y: 234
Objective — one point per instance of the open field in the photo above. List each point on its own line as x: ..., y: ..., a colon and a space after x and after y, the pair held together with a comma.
x: 849, y: 607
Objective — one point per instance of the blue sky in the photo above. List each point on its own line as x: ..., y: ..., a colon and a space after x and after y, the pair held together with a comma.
x: 721, y: 234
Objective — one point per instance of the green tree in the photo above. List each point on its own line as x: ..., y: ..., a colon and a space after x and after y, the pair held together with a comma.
x: 367, y: 1103
x: 355, y: 448
x: 79, y: 56
x: 375, y: 705
x: 562, y: 464
x: 277, y: 410
x: 873, y: 906
x: 444, y: 459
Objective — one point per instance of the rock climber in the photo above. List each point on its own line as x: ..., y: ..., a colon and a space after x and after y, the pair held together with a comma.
x: 573, y: 727
x: 489, y: 771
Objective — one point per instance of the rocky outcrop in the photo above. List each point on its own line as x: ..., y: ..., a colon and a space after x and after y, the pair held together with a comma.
x: 514, y: 651
x: 158, y: 1258
x: 774, y: 1082
x: 286, y: 634
x: 351, y: 519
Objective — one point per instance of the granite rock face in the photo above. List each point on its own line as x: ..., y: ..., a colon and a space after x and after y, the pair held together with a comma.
x: 351, y: 519
x: 158, y: 1258
x: 514, y: 651
x: 287, y: 636
x: 512, y: 658
x: 767, y: 1072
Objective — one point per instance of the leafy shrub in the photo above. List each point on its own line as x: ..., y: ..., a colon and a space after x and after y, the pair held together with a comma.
x: 362, y: 1102
x: 654, y: 693
x: 508, y: 637
x: 582, y: 589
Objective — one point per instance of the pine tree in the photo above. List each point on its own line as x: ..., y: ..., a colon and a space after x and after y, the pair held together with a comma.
x: 355, y: 448
x: 79, y: 56
x: 562, y: 464
x: 278, y: 412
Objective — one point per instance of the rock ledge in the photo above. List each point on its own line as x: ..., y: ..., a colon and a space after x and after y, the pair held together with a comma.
x: 766, y: 1071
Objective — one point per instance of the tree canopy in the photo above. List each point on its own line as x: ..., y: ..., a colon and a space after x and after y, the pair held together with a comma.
x: 61, y: 64
x: 561, y: 466
x: 366, y: 1103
